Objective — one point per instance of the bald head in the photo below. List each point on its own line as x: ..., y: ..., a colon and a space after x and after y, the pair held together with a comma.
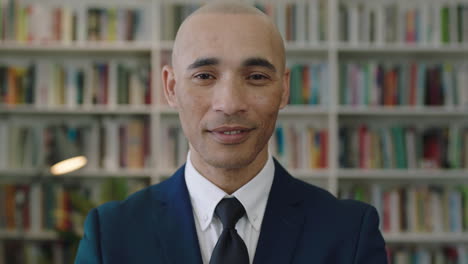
x: 217, y: 10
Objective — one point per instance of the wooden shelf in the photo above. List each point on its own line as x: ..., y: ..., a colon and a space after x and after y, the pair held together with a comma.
x: 442, y: 238
x: 84, y: 173
x: 389, y: 174
x: 27, y: 235
x: 80, y: 110
x: 401, y: 48
x: 78, y: 47
x: 402, y: 111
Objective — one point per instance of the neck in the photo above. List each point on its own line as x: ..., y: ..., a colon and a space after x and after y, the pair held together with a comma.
x: 230, y: 179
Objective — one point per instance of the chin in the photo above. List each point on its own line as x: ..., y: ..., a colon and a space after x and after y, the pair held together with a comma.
x: 230, y: 160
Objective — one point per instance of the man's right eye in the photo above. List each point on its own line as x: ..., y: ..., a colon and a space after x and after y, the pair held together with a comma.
x: 204, y: 76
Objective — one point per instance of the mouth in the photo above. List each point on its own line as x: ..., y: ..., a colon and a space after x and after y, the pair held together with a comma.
x: 231, y: 135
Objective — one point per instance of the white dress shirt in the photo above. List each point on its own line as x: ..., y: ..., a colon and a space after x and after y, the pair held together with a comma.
x: 205, y: 196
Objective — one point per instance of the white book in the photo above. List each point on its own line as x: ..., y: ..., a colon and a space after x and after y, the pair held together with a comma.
x: 395, y: 211
x: 411, y: 214
x: 364, y: 23
x: 42, y: 82
x: 111, y: 155
x: 380, y: 24
x: 89, y: 83
x: 281, y: 18
x: 35, y: 205
x: 92, y: 144
x: 376, y: 196
x: 300, y: 21
x: 70, y: 85
x: 66, y: 25
x: 436, y: 212
x: 424, y: 25
x: 112, y: 86
x: 313, y: 21
x: 136, y: 89
x: 436, y: 23
x: 4, y: 143
x: 453, y: 23
x: 401, y: 10
x: 353, y: 25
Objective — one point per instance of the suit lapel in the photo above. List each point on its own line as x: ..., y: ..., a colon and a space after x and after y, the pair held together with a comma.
x: 174, y: 223
x: 282, y: 223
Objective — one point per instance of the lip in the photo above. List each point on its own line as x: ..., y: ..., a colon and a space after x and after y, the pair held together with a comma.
x: 230, y: 139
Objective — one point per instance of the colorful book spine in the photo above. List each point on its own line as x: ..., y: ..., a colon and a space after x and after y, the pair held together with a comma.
x: 419, y: 84
x: 403, y: 147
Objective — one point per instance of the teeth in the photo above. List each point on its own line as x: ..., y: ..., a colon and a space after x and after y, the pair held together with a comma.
x: 232, y: 132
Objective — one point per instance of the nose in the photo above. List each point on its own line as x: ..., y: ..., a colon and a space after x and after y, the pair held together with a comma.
x: 230, y: 97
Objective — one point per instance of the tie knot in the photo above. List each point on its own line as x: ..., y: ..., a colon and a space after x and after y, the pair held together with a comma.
x: 229, y: 211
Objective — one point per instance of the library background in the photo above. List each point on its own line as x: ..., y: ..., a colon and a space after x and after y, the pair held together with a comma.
x: 378, y: 112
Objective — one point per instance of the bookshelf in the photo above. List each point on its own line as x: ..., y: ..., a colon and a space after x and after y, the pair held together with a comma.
x: 332, y: 34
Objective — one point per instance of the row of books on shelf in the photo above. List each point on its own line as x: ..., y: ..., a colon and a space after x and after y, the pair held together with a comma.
x: 299, y: 21
x: 300, y: 145
x: 75, y: 83
x: 415, y: 208
x: 403, y: 147
x: 448, y: 254
x: 407, y: 84
x: 111, y: 144
x: 415, y: 22
x: 309, y: 84
x: 30, y: 22
x: 34, y: 252
x: 58, y: 206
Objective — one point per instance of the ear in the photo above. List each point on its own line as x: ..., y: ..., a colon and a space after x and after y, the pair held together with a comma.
x: 169, y: 84
x: 285, y: 94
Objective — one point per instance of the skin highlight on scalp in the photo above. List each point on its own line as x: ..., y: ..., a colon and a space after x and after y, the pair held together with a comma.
x: 230, y: 8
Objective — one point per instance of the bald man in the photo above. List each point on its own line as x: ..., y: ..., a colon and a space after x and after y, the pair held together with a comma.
x: 231, y: 203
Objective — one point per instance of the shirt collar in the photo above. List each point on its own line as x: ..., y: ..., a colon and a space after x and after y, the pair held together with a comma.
x: 253, y: 195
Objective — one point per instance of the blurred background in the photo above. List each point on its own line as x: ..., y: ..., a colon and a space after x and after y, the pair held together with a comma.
x: 378, y: 112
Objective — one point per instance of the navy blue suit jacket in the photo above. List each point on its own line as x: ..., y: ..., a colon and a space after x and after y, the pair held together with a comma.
x: 302, y: 224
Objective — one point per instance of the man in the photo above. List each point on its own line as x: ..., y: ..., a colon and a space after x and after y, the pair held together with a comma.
x: 231, y: 202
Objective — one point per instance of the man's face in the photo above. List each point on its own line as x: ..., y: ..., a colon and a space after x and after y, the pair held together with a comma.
x: 228, y: 83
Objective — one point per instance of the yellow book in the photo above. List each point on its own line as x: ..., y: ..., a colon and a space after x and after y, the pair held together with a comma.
x: 112, y: 24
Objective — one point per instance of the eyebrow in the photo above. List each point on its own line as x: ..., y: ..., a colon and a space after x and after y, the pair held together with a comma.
x: 258, y: 61
x: 203, y: 62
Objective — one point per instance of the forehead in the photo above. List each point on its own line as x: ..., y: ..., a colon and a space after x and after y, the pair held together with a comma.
x: 229, y: 37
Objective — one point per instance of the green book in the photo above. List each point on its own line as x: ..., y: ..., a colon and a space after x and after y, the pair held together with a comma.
x: 400, y: 148
x: 296, y: 84
x: 445, y: 24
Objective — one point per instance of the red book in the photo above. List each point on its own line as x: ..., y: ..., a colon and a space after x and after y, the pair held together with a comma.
x: 362, y: 146
x: 386, y: 212
x: 57, y: 18
x: 413, y: 83
x: 305, y: 84
x: 323, y: 149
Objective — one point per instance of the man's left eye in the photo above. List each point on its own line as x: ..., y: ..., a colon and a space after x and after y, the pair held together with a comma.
x: 257, y: 77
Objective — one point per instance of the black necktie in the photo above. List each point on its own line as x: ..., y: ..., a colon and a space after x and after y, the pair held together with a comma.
x: 230, y: 248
